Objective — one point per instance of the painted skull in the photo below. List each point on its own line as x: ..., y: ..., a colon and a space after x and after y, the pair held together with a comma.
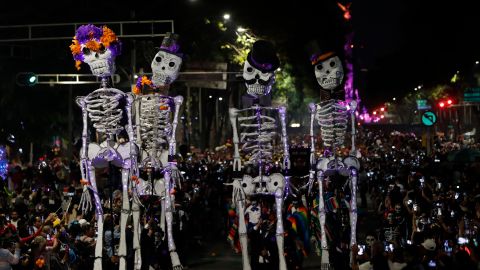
x: 96, y: 47
x: 165, y: 68
x: 101, y: 62
x: 329, y: 73
x: 258, y: 83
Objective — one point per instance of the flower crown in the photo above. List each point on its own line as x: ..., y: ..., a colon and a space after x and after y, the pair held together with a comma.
x: 95, y: 39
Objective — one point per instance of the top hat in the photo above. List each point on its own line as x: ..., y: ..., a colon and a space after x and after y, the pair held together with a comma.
x: 170, y: 44
x: 263, y: 56
x: 319, y: 53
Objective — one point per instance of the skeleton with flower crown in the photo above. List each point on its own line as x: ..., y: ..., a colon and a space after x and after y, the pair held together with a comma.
x: 106, y: 110
x: 156, y: 119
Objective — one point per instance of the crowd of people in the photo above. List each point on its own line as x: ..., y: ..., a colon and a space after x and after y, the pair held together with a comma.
x: 417, y: 210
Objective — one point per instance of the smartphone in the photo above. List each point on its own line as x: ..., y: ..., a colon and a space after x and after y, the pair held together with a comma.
x: 48, y: 237
x: 432, y: 264
x: 448, y: 249
x: 462, y: 241
x: 361, y: 249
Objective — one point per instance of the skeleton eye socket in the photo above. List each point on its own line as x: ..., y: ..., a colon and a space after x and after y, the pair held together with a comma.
x: 102, y: 49
x: 171, y: 64
x: 158, y: 59
x: 332, y: 64
x: 86, y: 51
x: 249, y: 69
x: 319, y: 67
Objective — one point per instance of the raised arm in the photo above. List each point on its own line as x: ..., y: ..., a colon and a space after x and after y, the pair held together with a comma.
x: 237, y: 164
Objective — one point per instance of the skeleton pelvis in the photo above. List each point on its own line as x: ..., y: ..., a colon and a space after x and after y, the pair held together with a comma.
x: 262, y: 184
x: 157, y: 160
x: 144, y: 188
x: 331, y: 165
x: 101, y: 156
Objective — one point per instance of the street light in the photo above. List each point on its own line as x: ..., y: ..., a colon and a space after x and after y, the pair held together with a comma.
x: 226, y: 16
x: 241, y: 29
x: 394, y: 99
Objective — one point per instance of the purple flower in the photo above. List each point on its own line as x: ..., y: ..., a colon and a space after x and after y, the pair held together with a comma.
x: 88, y: 32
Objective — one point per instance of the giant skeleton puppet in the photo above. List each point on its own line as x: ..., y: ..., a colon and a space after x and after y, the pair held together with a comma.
x: 156, y: 118
x: 331, y: 115
x: 108, y: 110
x: 256, y: 140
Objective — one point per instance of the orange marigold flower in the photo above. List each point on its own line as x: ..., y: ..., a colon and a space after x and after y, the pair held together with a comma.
x: 78, y: 63
x: 84, y: 181
x: 146, y: 81
x: 75, y: 47
x: 40, y: 262
x: 92, y: 45
x: 136, y: 90
x: 108, y: 36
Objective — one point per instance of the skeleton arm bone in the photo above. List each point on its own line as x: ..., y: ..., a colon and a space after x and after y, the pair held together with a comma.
x: 237, y: 165
x: 85, y: 200
x: 286, y: 155
x: 313, y: 109
x: 172, y: 142
x: 353, y: 107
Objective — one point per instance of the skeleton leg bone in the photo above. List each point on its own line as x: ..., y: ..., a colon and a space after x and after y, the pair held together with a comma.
x: 168, y: 215
x: 353, y: 210
x: 137, y: 230
x: 242, y: 232
x: 99, y: 215
x: 280, y: 240
x: 122, y: 251
x: 321, y: 213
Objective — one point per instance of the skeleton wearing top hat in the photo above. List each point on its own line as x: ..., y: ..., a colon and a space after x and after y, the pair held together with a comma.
x: 258, y: 133
x: 331, y: 115
x: 156, y: 118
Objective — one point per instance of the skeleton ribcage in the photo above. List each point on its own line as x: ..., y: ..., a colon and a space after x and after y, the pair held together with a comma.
x: 103, y: 110
x: 155, y: 124
x: 332, y: 118
x: 257, y: 138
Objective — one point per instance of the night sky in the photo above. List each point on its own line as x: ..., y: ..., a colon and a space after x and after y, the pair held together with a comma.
x: 399, y: 44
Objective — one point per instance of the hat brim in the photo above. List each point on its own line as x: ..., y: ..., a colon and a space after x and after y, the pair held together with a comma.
x: 264, y: 67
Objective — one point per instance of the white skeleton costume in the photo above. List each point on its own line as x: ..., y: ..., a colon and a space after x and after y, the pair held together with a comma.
x: 156, y: 118
x: 331, y: 116
x: 256, y: 142
x: 104, y: 108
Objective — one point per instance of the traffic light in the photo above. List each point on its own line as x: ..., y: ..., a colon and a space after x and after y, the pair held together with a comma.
x: 26, y: 79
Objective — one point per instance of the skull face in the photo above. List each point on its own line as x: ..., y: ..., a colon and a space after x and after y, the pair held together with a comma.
x: 258, y: 83
x: 101, y: 62
x: 329, y: 73
x: 165, y: 68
